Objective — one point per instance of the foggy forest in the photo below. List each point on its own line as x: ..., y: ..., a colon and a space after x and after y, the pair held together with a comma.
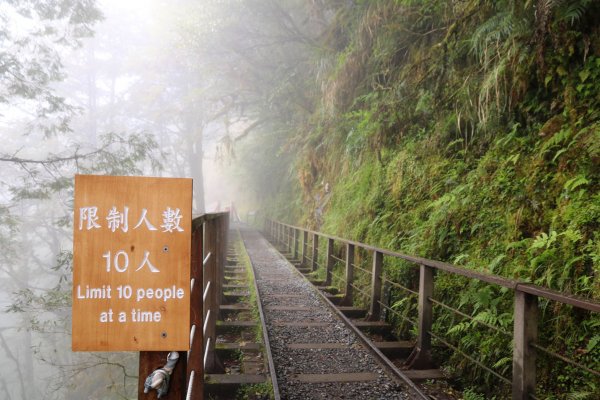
x: 463, y: 131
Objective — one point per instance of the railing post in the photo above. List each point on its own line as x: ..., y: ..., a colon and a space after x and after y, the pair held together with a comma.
x: 329, y: 262
x: 348, y: 300
x: 375, y: 310
x: 525, y: 333
x: 421, y: 356
x: 304, y: 247
x: 223, y: 226
x: 211, y: 306
x: 195, y: 355
x: 296, y: 244
x: 315, y: 252
x: 281, y: 235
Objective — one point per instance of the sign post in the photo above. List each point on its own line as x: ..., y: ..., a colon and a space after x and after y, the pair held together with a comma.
x: 131, y: 263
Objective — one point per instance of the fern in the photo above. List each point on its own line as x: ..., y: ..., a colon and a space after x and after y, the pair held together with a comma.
x: 573, y: 11
x: 562, y: 138
x: 459, y: 328
x: 503, y: 361
x: 575, y: 182
x: 592, y: 343
x: 580, y: 396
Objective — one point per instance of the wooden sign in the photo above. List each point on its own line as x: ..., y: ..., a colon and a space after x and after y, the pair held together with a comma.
x: 131, y: 263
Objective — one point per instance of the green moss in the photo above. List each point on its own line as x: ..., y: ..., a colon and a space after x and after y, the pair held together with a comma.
x: 466, y: 132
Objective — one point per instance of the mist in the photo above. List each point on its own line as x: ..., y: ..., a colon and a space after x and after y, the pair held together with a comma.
x: 151, y: 88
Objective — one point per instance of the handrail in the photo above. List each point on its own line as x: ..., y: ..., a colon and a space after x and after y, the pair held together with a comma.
x: 514, y: 284
x: 209, y: 244
x: 525, y: 301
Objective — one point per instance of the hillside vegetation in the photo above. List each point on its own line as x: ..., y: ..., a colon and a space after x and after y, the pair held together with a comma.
x: 463, y: 131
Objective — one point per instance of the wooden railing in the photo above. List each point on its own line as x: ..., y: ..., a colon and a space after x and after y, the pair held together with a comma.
x: 208, y: 251
x: 525, y: 312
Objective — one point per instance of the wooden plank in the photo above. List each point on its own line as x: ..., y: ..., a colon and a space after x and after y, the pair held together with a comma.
x: 283, y: 296
x: 235, y: 307
x: 330, y: 378
x: 289, y: 308
x: 235, y: 286
x: 328, y: 289
x: 273, y: 280
x: 397, y: 349
x: 394, y: 345
x: 370, y: 324
x: 423, y: 374
x: 236, y: 324
x: 235, y: 274
x: 352, y: 312
x: 131, y: 259
x: 317, y: 346
x: 234, y: 379
x: 234, y: 270
x: 238, y: 346
x: 306, y: 324
x: 373, y: 326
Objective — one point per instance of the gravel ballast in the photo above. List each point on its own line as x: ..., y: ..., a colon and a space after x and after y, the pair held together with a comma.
x: 280, y: 286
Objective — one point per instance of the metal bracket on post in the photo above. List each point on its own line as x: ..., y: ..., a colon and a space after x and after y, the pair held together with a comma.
x: 421, y: 355
x: 160, y: 378
x: 525, y: 333
x: 375, y: 309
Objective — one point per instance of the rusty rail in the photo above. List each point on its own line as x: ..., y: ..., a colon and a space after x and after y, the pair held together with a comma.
x: 208, y: 250
x: 525, y: 310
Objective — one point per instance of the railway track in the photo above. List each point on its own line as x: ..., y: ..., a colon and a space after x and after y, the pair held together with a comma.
x: 318, y: 353
x: 281, y: 338
x: 243, y: 368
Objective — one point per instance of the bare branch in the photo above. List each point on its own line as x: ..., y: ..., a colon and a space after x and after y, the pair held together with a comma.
x: 52, y: 160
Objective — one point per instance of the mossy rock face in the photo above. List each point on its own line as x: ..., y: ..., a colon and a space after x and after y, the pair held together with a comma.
x: 466, y: 132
